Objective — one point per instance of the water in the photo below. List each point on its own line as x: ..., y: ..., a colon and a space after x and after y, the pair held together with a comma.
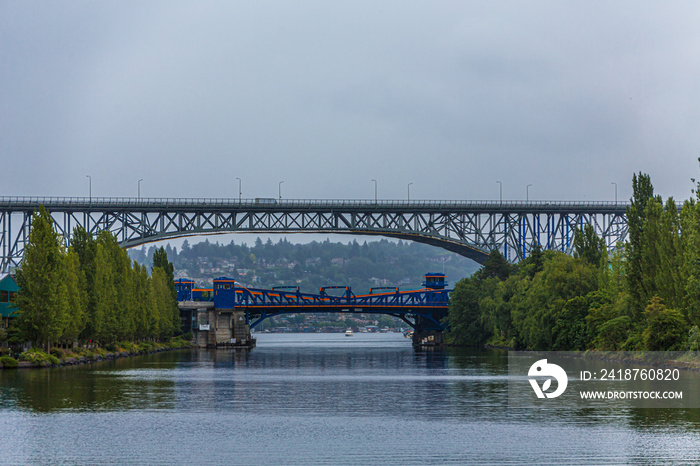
x: 316, y: 399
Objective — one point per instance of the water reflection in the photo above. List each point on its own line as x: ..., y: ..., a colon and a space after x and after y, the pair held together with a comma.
x: 316, y: 398
x: 90, y: 387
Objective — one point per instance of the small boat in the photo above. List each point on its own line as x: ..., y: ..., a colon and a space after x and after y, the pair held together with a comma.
x: 348, y: 332
x: 408, y: 333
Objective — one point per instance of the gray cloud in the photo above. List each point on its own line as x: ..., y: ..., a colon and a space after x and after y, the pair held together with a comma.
x: 450, y: 96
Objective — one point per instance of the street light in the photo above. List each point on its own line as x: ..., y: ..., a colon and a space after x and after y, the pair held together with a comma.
x: 409, y: 192
x: 375, y: 191
x: 90, y: 186
x: 527, y: 192
x: 500, y: 192
x: 280, y: 188
x: 139, y: 198
x: 612, y: 182
x: 239, y: 190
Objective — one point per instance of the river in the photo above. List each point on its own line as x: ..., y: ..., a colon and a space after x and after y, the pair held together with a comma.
x: 316, y: 399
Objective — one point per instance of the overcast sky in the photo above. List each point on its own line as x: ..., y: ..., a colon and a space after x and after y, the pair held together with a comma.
x: 326, y: 96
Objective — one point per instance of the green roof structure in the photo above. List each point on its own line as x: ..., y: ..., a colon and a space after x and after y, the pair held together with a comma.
x: 8, y: 291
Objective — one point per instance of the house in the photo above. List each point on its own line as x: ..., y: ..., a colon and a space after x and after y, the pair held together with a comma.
x: 8, y: 291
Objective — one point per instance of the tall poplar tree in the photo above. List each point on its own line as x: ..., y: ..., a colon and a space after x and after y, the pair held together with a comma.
x: 41, y: 297
x: 160, y: 260
x: 85, y: 247
x: 642, y: 193
x: 106, y: 308
x: 76, y: 298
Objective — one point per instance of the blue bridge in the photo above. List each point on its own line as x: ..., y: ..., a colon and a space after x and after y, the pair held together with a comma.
x: 244, y: 308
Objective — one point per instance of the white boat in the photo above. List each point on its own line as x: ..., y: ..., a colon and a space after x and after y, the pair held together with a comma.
x: 348, y: 332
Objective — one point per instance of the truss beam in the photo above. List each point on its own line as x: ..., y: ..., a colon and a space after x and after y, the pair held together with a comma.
x: 470, y: 228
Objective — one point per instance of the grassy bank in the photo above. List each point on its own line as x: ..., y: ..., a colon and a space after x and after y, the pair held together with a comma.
x: 68, y: 357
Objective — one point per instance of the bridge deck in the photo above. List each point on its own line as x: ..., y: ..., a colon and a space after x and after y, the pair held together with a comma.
x: 226, y: 204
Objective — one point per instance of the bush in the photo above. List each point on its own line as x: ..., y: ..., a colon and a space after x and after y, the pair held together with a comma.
x: 146, y: 346
x: 57, y: 353
x: 8, y: 362
x: 126, y: 346
x: 38, y: 358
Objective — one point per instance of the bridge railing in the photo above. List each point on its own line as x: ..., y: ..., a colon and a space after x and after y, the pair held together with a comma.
x: 155, y: 202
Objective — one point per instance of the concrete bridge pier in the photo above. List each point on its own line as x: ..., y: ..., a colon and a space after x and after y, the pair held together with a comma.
x: 222, y: 328
x: 229, y: 329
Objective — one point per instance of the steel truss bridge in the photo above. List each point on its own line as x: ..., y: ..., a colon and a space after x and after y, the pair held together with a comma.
x: 469, y: 228
x: 424, y: 308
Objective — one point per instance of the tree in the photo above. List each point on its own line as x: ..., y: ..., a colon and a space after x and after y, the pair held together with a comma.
x: 496, y: 266
x: 85, y: 247
x: 161, y: 302
x: 41, y: 298
x: 464, y: 317
x: 76, y: 297
x: 671, y: 278
x: 642, y: 193
x: 106, y: 301
x: 544, y: 304
x: 666, y: 328
x: 587, y: 246
x: 160, y: 261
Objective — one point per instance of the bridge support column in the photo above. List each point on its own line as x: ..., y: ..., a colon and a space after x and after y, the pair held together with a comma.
x: 229, y: 329
x: 427, y: 338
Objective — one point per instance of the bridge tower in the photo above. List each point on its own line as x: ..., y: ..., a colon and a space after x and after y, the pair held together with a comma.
x: 230, y: 327
x: 428, y: 330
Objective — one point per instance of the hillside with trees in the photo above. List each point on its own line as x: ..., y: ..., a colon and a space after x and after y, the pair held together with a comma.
x: 312, y: 265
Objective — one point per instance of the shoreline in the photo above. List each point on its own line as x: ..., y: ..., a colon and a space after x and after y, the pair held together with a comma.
x: 80, y: 360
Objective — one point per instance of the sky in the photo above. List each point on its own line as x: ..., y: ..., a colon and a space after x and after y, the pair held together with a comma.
x: 451, y: 96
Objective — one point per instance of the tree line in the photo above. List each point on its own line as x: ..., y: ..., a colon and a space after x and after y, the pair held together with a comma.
x: 90, y: 292
x: 643, y: 296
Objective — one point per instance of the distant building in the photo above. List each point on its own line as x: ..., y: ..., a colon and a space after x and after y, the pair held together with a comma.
x: 8, y: 292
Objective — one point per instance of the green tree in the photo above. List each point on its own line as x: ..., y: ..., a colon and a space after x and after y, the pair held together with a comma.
x: 85, y: 247
x: 107, y: 306
x: 671, y: 278
x: 587, y: 246
x: 74, y: 279
x: 41, y: 300
x: 143, y: 315
x: 161, y: 302
x: 642, y: 193
x: 496, y: 266
x: 464, y: 317
x: 666, y: 329
x: 160, y: 260
x: 544, y: 304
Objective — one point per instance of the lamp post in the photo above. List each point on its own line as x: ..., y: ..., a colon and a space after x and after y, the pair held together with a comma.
x: 500, y: 192
x: 90, y: 188
x: 239, y: 190
x: 409, y: 191
x: 375, y: 191
x: 527, y: 192
x: 280, y: 188
x: 612, y: 182
x: 139, y: 198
